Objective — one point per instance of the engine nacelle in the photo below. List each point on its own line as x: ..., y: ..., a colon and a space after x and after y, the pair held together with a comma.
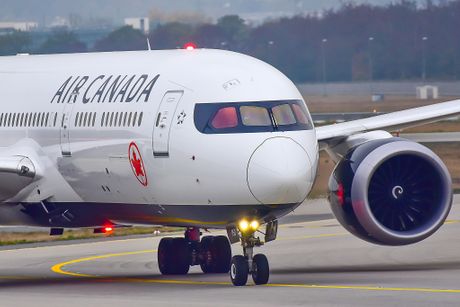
x: 391, y: 191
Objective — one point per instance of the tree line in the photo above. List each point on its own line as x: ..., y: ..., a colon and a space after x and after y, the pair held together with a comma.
x: 354, y: 42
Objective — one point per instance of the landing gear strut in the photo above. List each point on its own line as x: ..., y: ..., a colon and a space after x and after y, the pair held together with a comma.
x: 176, y: 255
x: 243, y: 265
x: 246, y: 264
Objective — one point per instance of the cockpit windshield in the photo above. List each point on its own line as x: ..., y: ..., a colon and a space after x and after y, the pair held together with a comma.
x: 247, y: 117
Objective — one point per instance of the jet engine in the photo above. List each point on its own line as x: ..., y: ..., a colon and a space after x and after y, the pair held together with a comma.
x: 390, y: 191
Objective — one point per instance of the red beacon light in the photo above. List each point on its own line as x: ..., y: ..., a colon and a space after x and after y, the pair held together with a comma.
x: 190, y: 46
x: 107, y: 229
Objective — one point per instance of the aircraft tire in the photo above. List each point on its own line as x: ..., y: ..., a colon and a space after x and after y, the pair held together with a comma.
x: 239, y: 270
x: 260, y: 269
x: 222, y: 254
x: 207, y: 258
x: 164, y: 252
x: 180, y: 256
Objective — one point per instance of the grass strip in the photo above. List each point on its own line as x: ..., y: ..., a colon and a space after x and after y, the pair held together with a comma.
x: 14, y: 238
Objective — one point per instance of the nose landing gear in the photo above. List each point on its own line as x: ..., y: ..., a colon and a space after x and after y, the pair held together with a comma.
x: 243, y: 265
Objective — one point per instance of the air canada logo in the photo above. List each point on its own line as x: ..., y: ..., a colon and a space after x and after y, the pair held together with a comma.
x: 137, y: 165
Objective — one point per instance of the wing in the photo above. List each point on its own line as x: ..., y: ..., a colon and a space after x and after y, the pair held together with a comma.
x: 390, y: 122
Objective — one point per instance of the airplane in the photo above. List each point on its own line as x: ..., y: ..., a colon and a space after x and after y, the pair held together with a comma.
x: 201, y: 139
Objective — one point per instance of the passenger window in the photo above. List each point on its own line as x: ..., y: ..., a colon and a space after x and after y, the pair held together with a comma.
x: 55, y: 119
x: 85, y: 121
x: 1, y: 119
x: 134, y: 119
x: 21, y: 122
x: 255, y: 116
x: 102, y: 119
x: 283, y: 115
x: 129, y: 118
x: 28, y: 118
x: 225, y: 118
x: 42, y: 123
x: 116, y: 120
x: 300, y: 114
x: 80, y: 121
x: 76, y: 119
x: 125, y: 115
x: 111, y: 119
x: 17, y: 119
x: 13, y: 119
x: 141, y: 115
x: 94, y: 119
x: 120, y: 119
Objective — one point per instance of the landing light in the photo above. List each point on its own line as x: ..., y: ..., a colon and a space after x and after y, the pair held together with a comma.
x: 248, y: 227
x: 243, y: 225
x: 254, y: 225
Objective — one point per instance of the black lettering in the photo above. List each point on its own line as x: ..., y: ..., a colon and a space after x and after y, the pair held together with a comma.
x: 101, y: 89
x: 70, y: 88
x: 85, y: 99
x: 113, y: 88
x: 132, y: 94
x: 76, y: 90
x: 61, y: 91
x: 124, y: 89
x: 148, y: 89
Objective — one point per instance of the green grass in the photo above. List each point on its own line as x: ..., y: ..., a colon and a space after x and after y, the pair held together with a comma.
x: 14, y: 238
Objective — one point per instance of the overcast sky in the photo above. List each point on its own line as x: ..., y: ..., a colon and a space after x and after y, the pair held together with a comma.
x: 116, y: 10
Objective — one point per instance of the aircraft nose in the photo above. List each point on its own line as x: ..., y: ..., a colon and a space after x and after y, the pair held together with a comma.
x: 279, y: 172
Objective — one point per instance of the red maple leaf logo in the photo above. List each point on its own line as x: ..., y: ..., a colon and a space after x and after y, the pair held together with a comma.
x: 137, y: 165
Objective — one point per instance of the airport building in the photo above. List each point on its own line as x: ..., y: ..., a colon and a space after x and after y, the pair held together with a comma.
x: 25, y: 26
x: 139, y: 23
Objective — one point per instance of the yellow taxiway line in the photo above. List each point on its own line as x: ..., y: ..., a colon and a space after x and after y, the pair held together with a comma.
x: 59, y: 269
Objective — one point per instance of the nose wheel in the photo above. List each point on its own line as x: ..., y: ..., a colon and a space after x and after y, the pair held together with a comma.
x: 239, y: 270
x: 243, y: 265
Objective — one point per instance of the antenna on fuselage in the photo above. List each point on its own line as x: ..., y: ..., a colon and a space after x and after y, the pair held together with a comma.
x: 149, y: 48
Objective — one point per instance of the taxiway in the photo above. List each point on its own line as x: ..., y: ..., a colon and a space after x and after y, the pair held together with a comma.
x: 314, y: 262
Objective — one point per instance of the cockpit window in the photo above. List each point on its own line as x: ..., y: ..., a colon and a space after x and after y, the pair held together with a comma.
x: 251, y: 117
x: 255, y: 116
x: 300, y: 114
x: 283, y: 115
x: 225, y: 118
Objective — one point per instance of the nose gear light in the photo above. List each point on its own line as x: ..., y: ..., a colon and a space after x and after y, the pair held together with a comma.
x: 248, y: 227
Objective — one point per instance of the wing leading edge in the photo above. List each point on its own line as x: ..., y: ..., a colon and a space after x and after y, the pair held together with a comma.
x: 389, y: 122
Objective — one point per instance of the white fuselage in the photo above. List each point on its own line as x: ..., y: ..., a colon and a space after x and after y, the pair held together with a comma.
x: 77, y: 117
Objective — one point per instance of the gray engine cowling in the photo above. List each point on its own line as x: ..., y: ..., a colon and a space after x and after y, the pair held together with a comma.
x: 391, y: 191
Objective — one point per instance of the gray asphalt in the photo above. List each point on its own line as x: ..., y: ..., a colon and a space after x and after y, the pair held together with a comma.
x: 314, y: 262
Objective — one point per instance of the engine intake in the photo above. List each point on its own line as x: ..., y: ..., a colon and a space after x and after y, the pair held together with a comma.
x: 391, y: 192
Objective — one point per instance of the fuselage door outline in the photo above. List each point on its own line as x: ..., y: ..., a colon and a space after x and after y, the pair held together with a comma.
x: 164, y: 121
